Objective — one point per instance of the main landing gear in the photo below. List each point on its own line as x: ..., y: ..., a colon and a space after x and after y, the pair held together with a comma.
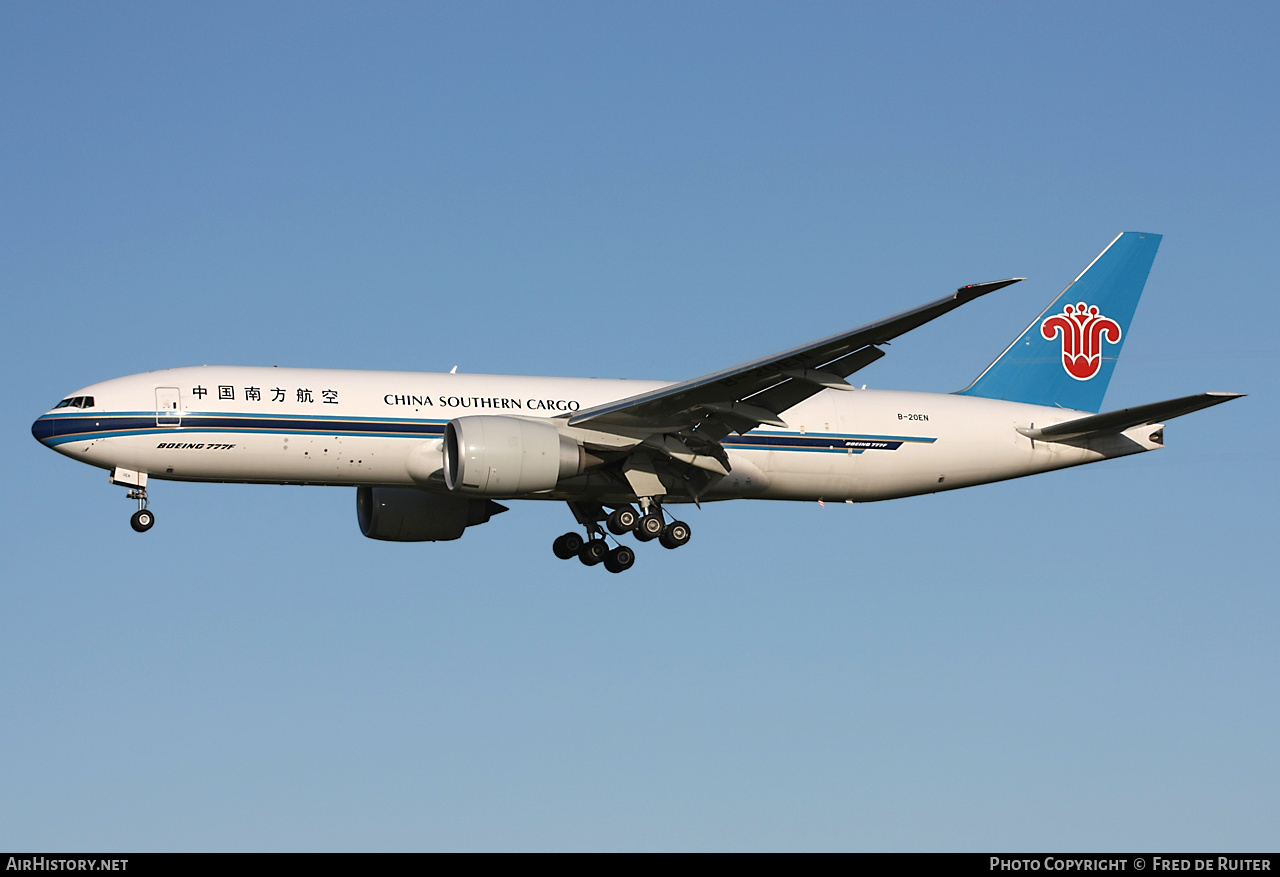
x: 593, y: 549
x: 142, y: 520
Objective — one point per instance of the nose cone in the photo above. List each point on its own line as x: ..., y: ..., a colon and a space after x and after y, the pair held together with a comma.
x: 43, y: 429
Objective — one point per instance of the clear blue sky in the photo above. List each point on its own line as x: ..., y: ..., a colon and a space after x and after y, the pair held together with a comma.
x: 1084, y: 660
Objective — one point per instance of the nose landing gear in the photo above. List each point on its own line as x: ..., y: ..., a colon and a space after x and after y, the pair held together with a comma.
x: 142, y: 520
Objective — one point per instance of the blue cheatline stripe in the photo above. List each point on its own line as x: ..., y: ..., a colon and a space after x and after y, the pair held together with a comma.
x: 820, y: 438
x: 750, y: 447
x: 63, y: 429
x: 57, y: 429
x: 239, y: 415
x: 831, y: 443
x: 175, y: 434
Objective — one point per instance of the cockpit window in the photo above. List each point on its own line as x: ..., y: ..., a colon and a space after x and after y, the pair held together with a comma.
x: 86, y: 401
x: 75, y: 402
x: 64, y: 403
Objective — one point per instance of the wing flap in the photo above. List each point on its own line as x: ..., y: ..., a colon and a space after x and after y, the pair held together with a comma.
x: 782, y: 396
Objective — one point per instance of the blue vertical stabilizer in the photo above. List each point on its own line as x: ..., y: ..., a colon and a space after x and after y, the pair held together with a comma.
x: 1066, y: 356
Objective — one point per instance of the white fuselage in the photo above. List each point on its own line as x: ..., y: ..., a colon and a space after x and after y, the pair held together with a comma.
x: 333, y: 427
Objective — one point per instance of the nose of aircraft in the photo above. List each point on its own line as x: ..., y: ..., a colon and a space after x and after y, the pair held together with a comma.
x: 42, y: 429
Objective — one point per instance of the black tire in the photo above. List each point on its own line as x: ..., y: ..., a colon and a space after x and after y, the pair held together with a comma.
x: 567, y: 546
x: 676, y: 534
x: 622, y: 521
x: 142, y: 520
x: 620, y: 559
x: 593, y: 552
x: 649, y: 527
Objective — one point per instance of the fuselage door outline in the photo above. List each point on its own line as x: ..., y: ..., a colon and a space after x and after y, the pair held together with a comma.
x: 168, y: 406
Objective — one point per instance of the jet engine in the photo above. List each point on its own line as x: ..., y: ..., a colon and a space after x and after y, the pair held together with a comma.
x: 405, y: 514
x: 488, y: 455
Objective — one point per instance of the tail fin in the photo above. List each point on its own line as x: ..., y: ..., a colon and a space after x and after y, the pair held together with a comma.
x: 1066, y: 356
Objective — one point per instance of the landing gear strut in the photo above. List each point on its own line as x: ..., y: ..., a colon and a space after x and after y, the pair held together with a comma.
x: 142, y: 520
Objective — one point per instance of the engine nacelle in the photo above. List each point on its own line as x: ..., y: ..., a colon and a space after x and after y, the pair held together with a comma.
x: 405, y: 514
x: 489, y: 455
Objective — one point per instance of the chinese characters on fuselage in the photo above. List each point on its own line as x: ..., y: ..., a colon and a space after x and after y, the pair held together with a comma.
x: 278, y: 394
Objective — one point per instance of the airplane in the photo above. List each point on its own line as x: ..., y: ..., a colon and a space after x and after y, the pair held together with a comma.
x: 430, y: 454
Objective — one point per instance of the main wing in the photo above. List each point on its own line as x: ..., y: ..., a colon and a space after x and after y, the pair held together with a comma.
x: 740, y: 399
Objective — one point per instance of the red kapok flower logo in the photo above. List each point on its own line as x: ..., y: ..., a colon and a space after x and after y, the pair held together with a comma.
x: 1082, y: 328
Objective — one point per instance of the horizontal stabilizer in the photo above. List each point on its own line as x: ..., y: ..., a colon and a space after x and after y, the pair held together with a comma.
x: 1119, y: 421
